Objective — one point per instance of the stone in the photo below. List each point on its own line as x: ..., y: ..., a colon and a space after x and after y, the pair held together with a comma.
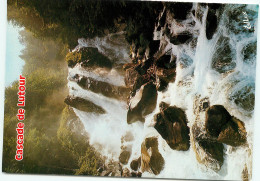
x: 211, y: 24
x: 179, y: 10
x: 135, y: 164
x: 88, y: 57
x: 104, y: 88
x: 124, y: 157
x: 233, y: 133
x: 151, y: 159
x: 181, y: 38
x: 222, y: 60
x: 83, y: 105
x: 171, y: 124
x: 142, y: 104
x: 216, y: 117
x: 208, y: 151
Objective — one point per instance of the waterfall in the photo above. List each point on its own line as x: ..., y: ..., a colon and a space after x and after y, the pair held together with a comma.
x: 230, y: 83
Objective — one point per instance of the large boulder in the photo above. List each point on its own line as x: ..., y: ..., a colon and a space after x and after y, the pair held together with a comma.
x: 233, y: 133
x: 135, y: 164
x: 142, y: 104
x: 89, y: 57
x: 216, y: 117
x: 83, y: 105
x: 124, y: 157
x: 222, y: 60
x: 151, y: 159
x: 208, y: 151
x: 181, y: 38
x: 211, y: 23
x: 104, y: 88
x: 171, y: 124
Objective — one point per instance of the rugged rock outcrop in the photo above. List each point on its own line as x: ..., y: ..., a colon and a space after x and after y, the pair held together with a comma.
x: 135, y: 164
x: 181, y: 38
x: 233, y: 133
x: 83, y: 105
x: 142, y: 104
x: 88, y: 57
x: 216, y: 117
x: 171, y: 124
x: 100, y: 87
x: 151, y: 159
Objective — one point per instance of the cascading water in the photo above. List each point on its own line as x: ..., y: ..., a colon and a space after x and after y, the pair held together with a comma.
x: 200, y: 74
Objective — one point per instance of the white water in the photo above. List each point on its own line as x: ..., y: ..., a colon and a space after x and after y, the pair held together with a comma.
x: 196, y: 80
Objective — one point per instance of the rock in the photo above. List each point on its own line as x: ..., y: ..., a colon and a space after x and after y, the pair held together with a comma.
x: 89, y: 57
x: 135, y: 164
x: 154, y: 47
x: 211, y: 24
x: 124, y: 157
x: 244, y: 98
x: 165, y: 71
x: 215, y: 6
x: 180, y: 10
x: 131, y: 75
x: 171, y: 124
x: 222, y: 60
x: 216, y: 117
x: 181, y: 38
x: 233, y: 133
x: 104, y: 88
x: 142, y: 104
x: 208, y: 151
x: 151, y: 159
x: 126, y: 172
x: 245, y: 174
x: 249, y: 53
x: 84, y: 105
x: 214, y: 157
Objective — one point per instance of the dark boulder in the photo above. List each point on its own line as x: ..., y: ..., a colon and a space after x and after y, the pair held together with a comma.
x: 83, y: 105
x: 171, y: 124
x: 151, y: 159
x: 179, y: 9
x: 88, y: 57
x: 208, y: 151
x: 135, y: 164
x: 154, y: 47
x: 142, y: 104
x: 233, y: 133
x: 213, y: 149
x: 104, y: 88
x: 222, y: 60
x: 181, y: 38
x: 124, y: 157
x: 216, y: 117
x: 211, y: 24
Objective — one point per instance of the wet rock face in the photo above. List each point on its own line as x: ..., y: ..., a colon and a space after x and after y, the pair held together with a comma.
x: 83, y: 105
x: 208, y: 151
x: 124, y: 157
x: 244, y: 98
x: 181, y: 38
x: 214, y: 150
x: 222, y: 58
x: 171, y: 124
x: 104, y: 88
x: 249, y: 53
x: 216, y: 117
x: 233, y: 133
x: 135, y: 164
x: 180, y: 10
x: 142, y: 104
x: 211, y: 23
x: 151, y: 159
x: 88, y: 57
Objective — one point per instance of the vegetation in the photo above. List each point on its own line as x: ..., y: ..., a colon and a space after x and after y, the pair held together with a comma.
x: 51, y: 29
